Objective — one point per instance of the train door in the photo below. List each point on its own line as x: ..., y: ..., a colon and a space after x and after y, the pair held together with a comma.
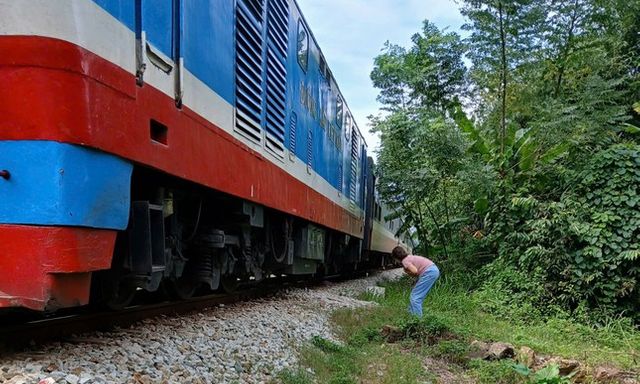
x: 159, y: 55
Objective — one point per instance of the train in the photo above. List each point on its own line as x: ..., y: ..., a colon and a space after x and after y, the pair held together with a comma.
x: 174, y: 145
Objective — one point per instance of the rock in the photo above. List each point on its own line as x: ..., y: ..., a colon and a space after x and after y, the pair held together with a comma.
x: 499, y: 351
x: 391, y: 334
x: 606, y: 374
x: 566, y: 366
x: 526, y: 356
x: 72, y: 379
x: 141, y: 379
x: 57, y: 375
x: 491, y: 351
x: 249, y: 342
x: 17, y: 380
x: 478, y: 350
x: 376, y: 291
x: 85, y: 378
x: 47, y: 380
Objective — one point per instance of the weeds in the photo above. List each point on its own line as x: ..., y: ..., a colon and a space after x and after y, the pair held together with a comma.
x: 430, y: 328
x: 326, y: 345
x: 547, y: 375
x: 494, y: 372
x: 298, y: 376
x: 453, y: 351
x: 453, y: 317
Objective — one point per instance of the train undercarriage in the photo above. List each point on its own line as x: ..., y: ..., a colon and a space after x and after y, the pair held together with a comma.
x: 183, y: 239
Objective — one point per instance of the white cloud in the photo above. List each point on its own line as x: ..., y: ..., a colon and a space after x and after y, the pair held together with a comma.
x: 352, y: 32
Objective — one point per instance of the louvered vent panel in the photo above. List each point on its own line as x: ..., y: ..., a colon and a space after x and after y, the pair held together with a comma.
x: 277, y: 42
x: 293, y: 123
x: 310, y: 149
x: 354, y: 164
x: 249, y: 73
x: 340, y: 177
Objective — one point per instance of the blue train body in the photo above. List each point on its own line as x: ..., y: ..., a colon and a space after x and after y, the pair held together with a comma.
x: 318, y: 127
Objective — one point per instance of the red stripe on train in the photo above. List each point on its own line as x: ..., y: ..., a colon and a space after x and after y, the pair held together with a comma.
x: 58, y: 91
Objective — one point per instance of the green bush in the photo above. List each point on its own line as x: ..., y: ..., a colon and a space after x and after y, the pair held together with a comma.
x: 513, y: 294
x: 424, y: 329
x: 578, y: 250
x: 605, y: 227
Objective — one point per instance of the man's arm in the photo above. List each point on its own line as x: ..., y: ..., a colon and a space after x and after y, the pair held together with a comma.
x: 411, y: 269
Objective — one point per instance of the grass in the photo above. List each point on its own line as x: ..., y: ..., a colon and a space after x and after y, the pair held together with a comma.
x: 452, y: 319
x: 347, y: 364
x: 615, y: 343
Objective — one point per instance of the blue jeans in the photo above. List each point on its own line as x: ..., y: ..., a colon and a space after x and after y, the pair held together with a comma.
x: 422, y: 287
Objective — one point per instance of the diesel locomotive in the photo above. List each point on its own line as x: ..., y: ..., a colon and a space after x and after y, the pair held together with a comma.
x: 174, y: 144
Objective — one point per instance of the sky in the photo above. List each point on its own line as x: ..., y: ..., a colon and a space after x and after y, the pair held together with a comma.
x: 352, y: 32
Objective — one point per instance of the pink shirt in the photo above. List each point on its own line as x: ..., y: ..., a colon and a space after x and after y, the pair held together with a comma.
x: 422, y: 263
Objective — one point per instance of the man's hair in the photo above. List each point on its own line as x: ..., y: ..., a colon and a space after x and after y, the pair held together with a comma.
x: 399, y: 253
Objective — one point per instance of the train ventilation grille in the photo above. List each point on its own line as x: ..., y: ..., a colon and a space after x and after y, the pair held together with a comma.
x: 340, y: 177
x: 249, y: 64
x: 293, y: 123
x: 354, y: 165
x: 310, y: 150
x: 277, y: 43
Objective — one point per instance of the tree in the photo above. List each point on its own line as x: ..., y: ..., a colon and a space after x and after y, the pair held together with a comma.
x: 421, y: 147
x: 417, y: 164
x: 555, y: 100
x: 504, y: 36
x: 431, y: 74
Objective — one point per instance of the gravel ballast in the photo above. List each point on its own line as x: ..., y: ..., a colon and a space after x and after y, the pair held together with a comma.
x: 247, y: 342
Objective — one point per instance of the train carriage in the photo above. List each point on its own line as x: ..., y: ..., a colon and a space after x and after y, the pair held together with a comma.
x: 177, y: 143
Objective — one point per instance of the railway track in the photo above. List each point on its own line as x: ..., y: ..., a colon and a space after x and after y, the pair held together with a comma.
x: 18, y: 332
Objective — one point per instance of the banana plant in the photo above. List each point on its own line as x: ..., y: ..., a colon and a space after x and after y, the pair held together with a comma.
x: 520, y: 152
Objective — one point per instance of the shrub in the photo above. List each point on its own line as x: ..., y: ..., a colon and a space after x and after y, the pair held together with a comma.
x: 428, y: 328
x: 579, y: 249
x: 605, y: 226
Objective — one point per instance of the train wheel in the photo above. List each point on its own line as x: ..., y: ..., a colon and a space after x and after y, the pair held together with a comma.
x: 229, y: 283
x: 118, y: 294
x: 182, y: 288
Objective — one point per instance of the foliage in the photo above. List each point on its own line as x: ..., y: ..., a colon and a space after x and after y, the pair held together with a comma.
x: 294, y: 377
x: 326, y: 345
x: 452, y: 309
x: 423, y: 328
x: 430, y: 74
x: 526, y: 163
x: 364, y: 357
x: 423, y: 171
x: 453, y: 351
x: 605, y: 228
x: 513, y: 294
x: 500, y: 372
x: 549, y: 374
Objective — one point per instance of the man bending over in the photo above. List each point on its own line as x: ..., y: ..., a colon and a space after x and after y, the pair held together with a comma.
x: 422, y: 268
